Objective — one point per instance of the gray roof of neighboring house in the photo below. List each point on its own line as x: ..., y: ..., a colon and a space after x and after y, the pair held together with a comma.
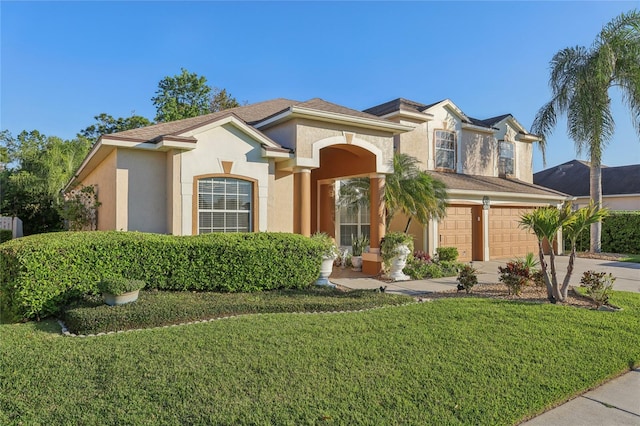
x: 492, y: 184
x: 573, y: 178
x: 250, y: 114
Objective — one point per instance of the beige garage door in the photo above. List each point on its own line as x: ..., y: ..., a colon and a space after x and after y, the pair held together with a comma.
x: 506, y: 239
x: 455, y: 231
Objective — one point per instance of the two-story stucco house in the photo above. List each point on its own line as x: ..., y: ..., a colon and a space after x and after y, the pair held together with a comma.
x: 273, y: 166
x: 487, y: 167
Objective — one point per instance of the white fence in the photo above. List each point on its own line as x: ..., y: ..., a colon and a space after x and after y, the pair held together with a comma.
x: 13, y: 224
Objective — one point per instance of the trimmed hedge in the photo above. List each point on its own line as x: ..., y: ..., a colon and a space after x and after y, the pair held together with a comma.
x: 620, y: 234
x: 43, y: 272
x: 5, y: 235
x: 156, y: 308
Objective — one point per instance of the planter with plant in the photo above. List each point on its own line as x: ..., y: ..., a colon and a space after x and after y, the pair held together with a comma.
x: 357, y: 247
x: 395, y: 248
x: 467, y: 278
x: 329, y: 254
x: 118, y: 291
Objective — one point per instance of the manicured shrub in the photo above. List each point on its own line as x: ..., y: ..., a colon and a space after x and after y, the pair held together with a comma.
x: 599, y: 286
x: 467, y: 277
x: 42, y: 272
x: 119, y: 285
x: 515, y: 275
x: 620, y: 234
x: 156, y: 308
x: 5, y: 235
x: 447, y: 254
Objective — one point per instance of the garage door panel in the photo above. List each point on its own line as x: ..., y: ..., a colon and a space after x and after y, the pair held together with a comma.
x: 455, y: 230
x: 506, y: 238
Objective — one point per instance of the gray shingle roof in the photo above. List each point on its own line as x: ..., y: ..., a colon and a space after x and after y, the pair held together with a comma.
x: 573, y: 178
x: 491, y: 184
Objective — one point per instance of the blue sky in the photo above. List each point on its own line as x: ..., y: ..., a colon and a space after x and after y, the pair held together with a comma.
x: 64, y: 62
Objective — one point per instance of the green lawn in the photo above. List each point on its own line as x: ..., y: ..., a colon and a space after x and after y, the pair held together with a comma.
x: 451, y: 361
x: 633, y: 258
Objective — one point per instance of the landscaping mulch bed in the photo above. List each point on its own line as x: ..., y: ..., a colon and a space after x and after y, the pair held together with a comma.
x: 528, y: 294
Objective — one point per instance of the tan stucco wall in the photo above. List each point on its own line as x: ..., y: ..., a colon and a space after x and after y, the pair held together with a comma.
x: 283, y: 133
x: 174, y: 200
x: 479, y: 153
x: 625, y: 203
x: 280, y: 202
x: 224, y: 143
x: 145, y: 189
x: 104, y: 178
x: 416, y: 142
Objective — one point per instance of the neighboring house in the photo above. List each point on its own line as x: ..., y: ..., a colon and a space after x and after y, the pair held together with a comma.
x: 487, y: 167
x: 620, y: 185
x: 274, y: 165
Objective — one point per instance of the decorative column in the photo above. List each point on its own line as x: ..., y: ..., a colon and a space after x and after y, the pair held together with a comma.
x: 372, y: 261
x: 486, y: 204
x: 302, y: 201
x: 327, y: 201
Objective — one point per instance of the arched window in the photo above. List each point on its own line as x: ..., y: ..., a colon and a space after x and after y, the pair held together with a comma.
x: 506, y: 164
x: 225, y: 205
x: 445, y: 150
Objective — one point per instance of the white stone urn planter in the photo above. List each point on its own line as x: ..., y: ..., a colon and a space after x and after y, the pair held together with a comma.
x: 120, y: 299
x: 356, y: 263
x: 326, y: 267
x: 398, y: 262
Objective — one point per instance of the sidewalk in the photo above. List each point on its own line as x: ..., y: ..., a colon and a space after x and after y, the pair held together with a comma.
x: 615, y: 403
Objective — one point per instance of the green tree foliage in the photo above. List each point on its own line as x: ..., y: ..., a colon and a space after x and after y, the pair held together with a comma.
x: 580, y: 81
x: 106, y: 124
x: 39, y: 167
x: 188, y: 95
x: 408, y: 190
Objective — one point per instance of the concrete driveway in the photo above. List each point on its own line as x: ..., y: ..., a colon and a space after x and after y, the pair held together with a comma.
x: 627, y: 276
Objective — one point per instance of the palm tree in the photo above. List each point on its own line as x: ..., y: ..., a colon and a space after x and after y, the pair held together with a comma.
x: 408, y: 190
x: 580, y: 81
x: 545, y: 222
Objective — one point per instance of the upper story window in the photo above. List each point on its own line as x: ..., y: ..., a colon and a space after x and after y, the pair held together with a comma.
x: 505, y: 158
x: 445, y: 150
x: 224, y: 205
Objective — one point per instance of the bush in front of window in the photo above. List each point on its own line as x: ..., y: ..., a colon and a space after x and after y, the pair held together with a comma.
x: 43, y: 272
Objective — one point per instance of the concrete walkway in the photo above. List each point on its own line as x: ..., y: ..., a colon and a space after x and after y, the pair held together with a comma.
x: 614, y: 403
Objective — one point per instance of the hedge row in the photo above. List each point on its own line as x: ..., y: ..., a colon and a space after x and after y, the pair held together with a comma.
x: 620, y: 234
x: 43, y: 272
x: 157, y: 308
x: 5, y: 235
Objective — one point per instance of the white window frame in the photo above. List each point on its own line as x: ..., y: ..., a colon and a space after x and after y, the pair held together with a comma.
x: 502, y: 171
x: 226, y: 197
x: 440, y: 139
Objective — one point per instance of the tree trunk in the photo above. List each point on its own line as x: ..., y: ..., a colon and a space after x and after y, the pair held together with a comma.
x: 554, y: 278
x: 543, y: 267
x: 565, y: 284
x: 406, y: 228
x: 595, y: 177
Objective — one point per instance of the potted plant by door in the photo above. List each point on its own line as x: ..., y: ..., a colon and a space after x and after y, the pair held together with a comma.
x: 357, y: 247
x: 118, y: 291
x: 395, y: 247
x: 329, y: 255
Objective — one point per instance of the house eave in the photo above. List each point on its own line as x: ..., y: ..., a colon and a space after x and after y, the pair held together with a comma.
x: 420, y: 116
x: 476, y: 128
x: 331, y: 117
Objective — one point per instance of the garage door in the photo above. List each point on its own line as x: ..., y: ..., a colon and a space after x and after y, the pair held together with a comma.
x: 506, y: 239
x: 455, y: 231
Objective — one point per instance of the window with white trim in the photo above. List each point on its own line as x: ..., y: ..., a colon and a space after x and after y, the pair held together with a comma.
x: 445, y: 150
x: 505, y: 158
x: 224, y: 205
x: 354, y: 224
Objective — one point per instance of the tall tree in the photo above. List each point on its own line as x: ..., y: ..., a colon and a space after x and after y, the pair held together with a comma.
x: 188, y: 95
x: 39, y: 168
x: 106, y: 124
x: 408, y: 190
x: 580, y: 81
